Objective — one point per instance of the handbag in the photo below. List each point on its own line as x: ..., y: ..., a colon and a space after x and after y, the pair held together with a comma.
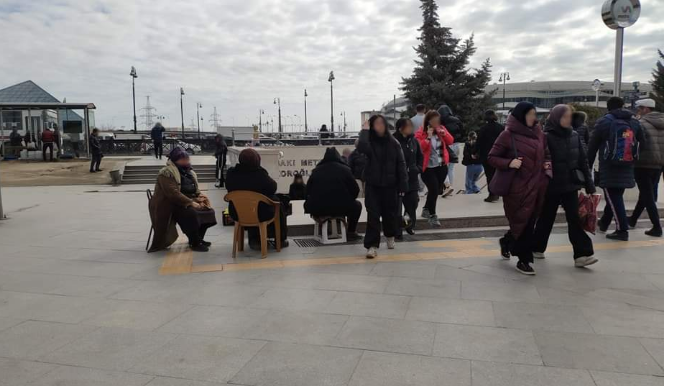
x: 503, y: 178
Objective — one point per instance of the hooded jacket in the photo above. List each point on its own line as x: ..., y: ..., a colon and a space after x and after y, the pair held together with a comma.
x: 414, y: 160
x: 451, y: 123
x: 331, y: 187
x: 255, y: 179
x: 652, y: 153
x: 157, y: 133
x: 385, y: 161
x: 568, y: 153
x: 486, y: 138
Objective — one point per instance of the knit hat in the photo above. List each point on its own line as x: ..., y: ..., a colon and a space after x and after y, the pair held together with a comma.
x: 250, y: 158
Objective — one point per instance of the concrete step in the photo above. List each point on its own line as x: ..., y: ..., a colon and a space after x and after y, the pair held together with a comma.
x: 155, y: 173
x: 152, y: 181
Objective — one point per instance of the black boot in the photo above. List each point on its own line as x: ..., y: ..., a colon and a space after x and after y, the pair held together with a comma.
x: 198, y: 247
x: 618, y: 235
x: 505, y: 248
x: 654, y: 232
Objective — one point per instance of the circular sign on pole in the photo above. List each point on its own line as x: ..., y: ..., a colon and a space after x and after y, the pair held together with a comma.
x: 620, y: 13
x: 596, y: 85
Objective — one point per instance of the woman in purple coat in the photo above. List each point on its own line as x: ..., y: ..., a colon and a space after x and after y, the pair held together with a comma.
x: 529, y: 182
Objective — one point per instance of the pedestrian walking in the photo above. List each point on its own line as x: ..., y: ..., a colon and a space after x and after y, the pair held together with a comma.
x: 221, y: 155
x: 580, y: 126
x: 649, y: 167
x: 157, y: 137
x: 434, y: 141
x: 570, y: 174
x: 485, y: 141
x: 617, y: 138
x: 454, y: 127
x: 414, y: 160
x: 473, y: 165
x: 385, y: 176
x: 96, y: 153
x: 523, y: 149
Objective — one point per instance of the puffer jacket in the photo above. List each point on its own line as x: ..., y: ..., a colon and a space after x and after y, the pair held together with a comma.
x: 385, y: 160
x: 414, y: 160
x: 331, y: 188
x: 567, y: 154
x: 451, y: 123
x: 652, y: 153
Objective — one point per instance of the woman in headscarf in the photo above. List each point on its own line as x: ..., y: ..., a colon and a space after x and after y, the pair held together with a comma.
x: 532, y: 166
x: 570, y: 174
x: 177, y: 200
x: 249, y: 175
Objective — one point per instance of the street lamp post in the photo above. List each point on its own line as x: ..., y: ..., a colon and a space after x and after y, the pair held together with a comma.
x: 305, y: 111
x: 344, y: 121
x: 133, y: 74
x: 261, y: 113
x: 182, y: 110
x: 504, y: 77
x: 331, y: 78
x: 619, y: 15
x: 276, y: 101
x: 198, y: 124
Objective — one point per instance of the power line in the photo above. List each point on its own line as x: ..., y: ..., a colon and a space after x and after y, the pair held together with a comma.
x: 215, y: 119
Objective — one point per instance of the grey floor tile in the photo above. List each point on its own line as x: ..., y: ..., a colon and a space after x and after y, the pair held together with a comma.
x: 223, y: 294
x: 230, y: 322
x: 386, y: 369
x: 554, y: 295
x: 595, y: 352
x: 652, y: 299
x: 424, y: 287
x: 655, y: 348
x: 499, y: 374
x: 455, y: 311
x: 14, y: 372
x: 617, y: 379
x: 165, y: 381
x: 293, y: 299
x: 213, y: 359
x: 656, y: 279
x: 502, y: 292
x: 297, y: 327
x: 390, y: 335
x: 352, y: 283
x: 455, y: 273
x: 633, y: 321
x: 79, y: 376
x: 548, y: 317
x: 487, y: 344
x: 362, y: 304
x: 285, y: 364
x: 34, y: 339
x: 110, y: 349
x: 6, y: 323
x: 136, y: 314
x: 51, y: 308
x: 406, y: 269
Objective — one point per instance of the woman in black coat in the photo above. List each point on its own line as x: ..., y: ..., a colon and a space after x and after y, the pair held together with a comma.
x: 385, y: 176
x: 414, y: 160
x: 570, y: 174
x: 485, y: 141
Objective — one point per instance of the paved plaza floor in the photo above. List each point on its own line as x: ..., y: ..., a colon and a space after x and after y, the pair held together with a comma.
x: 82, y: 303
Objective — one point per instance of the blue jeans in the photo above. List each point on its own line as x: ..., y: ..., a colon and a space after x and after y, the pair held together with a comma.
x: 471, y: 176
x: 451, y: 167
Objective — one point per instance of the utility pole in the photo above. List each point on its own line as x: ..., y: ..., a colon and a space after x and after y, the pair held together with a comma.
x: 276, y: 101
x: 261, y: 113
x: 198, y: 124
x: 182, y: 111
x: 305, y: 111
x: 331, y: 78
x: 133, y: 74
x: 344, y: 122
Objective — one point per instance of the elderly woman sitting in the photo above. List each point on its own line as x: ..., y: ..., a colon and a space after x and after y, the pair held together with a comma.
x: 177, y: 200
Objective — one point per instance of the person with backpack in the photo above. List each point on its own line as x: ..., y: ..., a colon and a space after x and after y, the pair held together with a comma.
x: 649, y: 167
x: 617, y: 138
x: 570, y: 174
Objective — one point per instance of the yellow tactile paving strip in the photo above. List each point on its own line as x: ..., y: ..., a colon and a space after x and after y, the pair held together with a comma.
x: 179, y: 260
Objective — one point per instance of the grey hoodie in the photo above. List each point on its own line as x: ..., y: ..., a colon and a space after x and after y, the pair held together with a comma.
x: 652, y: 152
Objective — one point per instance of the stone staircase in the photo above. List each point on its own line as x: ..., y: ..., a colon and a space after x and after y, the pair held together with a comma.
x: 147, y: 174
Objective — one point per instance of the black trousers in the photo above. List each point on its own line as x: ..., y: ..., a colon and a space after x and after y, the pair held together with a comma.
x: 158, y: 149
x: 410, y: 201
x: 47, y: 146
x: 193, y: 223
x: 96, y: 161
x: 647, y: 181
x: 254, y: 236
x: 221, y: 161
x: 489, y: 172
x: 582, y: 244
x: 615, y: 209
x: 522, y: 246
x: 381, y: 203
x: 433, y: 179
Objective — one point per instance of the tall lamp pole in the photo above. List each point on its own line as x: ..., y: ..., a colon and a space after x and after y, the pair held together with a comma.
x: 276, y: 101
x: 331, y: 78
x: 504, y: 77
x: 198, y: 124
x: 305, y: 111
x: 261, y: 113
x: 133, y: 74
x: 182, y: 110
x: 619, y: 15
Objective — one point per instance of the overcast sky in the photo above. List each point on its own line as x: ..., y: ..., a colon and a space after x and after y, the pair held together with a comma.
x: 239, y: 55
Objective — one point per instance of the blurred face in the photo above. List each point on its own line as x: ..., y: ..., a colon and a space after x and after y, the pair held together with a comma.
x: 407, y: 129
x: 380, y: 127
x: 346, y: 152
x: 567, y: 119
x: 531, y: 118
x: 643, y: 110
x: 435, y: 122
x: 299, y: 180
x: 183, y: 162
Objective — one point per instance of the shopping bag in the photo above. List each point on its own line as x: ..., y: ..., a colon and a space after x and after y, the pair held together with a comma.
x: 588, y: 211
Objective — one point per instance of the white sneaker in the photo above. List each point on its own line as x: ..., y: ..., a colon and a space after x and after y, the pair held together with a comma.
x: 585, y: 261
x: 538, y: 255
x: 371, y: 253
x: 390, y: 242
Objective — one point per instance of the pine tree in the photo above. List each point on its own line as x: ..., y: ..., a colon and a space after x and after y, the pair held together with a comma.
x: 442, y: 75
x: 658, y: 83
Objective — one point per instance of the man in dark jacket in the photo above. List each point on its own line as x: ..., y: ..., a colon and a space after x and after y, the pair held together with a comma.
x: 249, y: 175
x: 96, y: 153
x: 15, y: 142
x: 485, y: 141
x: 649, y: 167
x: 332, y: 192
x: 414, y: 160
x: 614, y: 177
x: 580, y: 125
x: 47, y: 138
x: 157, y: 137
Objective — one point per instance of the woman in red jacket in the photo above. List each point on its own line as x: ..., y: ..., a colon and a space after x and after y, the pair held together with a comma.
x: 434, y: 141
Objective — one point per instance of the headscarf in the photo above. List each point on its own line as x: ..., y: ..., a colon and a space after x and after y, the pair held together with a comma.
x: 557, y: 112
x: 250, y: 158
x: 331, y: 155
x: 177, y: 154
x: 520, y: 111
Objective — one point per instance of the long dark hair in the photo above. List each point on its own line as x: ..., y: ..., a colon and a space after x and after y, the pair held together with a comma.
x: 431, y: 114
x: 401, y: 123
x: 373, y: 119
